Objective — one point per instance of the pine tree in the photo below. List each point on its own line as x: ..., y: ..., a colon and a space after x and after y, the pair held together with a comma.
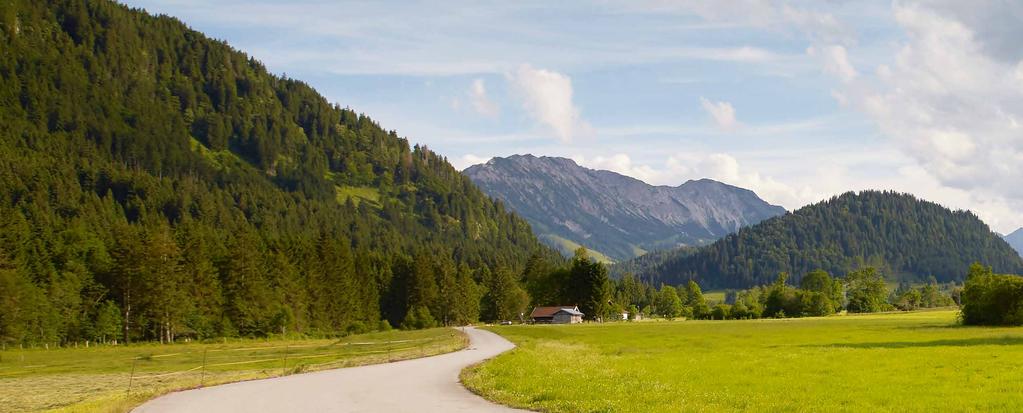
x: 589, y: 286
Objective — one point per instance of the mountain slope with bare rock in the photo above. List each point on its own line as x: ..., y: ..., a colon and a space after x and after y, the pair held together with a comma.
x: 621, y: 217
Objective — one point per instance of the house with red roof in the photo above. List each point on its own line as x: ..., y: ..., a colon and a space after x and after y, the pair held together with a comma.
x: 556, y: 315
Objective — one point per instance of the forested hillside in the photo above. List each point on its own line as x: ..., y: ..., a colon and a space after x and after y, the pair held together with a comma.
x: 156, y: 183
x: 903, y: 236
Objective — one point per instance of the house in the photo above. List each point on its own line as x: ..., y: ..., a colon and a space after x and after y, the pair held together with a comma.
x: 556, y: 315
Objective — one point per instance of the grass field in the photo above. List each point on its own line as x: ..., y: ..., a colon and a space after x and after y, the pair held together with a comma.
x: 920, y: 361
x: 97, y: 379
x: 358, y: 194
x: 714, y: 297
x: 570, y: 246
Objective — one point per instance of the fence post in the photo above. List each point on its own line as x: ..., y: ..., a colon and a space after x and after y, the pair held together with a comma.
x: 132, y: 377
x: 202, y: 379
x: 284, y: 369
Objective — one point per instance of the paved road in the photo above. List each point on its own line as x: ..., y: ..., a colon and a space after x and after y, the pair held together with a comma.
x: 422, y: 385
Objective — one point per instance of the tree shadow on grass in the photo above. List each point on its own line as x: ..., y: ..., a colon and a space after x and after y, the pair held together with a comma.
x: 965, y: 342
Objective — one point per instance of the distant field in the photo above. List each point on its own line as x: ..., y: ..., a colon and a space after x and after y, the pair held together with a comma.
x: 357, y: 194
x: 568, y: 245
x: 920, y: 362
x: 714, y: 297
x: 96, y: 379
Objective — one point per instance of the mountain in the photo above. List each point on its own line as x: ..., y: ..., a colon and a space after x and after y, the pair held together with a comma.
x: 621, y: 217
x: 159, y: 183
x: 1015, y: 239
x: 906, y: 237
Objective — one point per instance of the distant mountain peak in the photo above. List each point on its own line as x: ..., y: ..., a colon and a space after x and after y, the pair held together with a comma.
x: 620, y: 216
x: 1015, y: 239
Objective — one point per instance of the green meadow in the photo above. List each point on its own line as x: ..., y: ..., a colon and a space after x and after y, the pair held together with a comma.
x: 916, y: 362
x: 97, y: 379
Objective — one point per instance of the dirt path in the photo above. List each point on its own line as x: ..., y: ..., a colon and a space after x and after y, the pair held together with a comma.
x: 422, y: 385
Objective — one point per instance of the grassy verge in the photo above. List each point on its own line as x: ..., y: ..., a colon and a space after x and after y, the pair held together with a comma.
x: 918, y: 361
x: 97, y: 379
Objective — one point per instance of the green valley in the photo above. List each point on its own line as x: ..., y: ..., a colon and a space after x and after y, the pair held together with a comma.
x: 189, y: 226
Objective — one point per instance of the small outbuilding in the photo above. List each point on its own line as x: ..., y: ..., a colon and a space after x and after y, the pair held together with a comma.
x: 556, y: 315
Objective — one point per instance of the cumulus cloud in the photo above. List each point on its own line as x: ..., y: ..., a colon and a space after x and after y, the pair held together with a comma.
x: 468, y: 160
x: 726, y: 168
x: 547, y: 96
x: 821, y: 27
x: 482, y: 103
x: 836, y: 61
x: 681, y: 167
x: 622, y: 164
x: 952, y: 99
x: 722, y: 112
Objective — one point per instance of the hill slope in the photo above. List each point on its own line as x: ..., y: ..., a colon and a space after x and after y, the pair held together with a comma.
x: 619, y: 216
x: 907, y: 237
x: 1015, y: 239
x: 154, y: 182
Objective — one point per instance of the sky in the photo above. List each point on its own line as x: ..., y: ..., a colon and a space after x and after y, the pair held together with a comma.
x: 797, y: 101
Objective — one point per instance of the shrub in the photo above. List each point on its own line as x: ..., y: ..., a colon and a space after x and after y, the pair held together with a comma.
x: 866, y: 291
x: 740, y: 312
x: 992, y: 299
x: 357, y: 327
x: 721, y: 312
x: 418, y: 318
x: 816, y: 304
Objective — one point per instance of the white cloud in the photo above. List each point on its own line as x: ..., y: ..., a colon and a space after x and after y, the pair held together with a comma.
x: 468, y: 160
x: 822, y: 27
x: 765, y: 14
x: 726, y: 168
x: 951, y: 99
x: 722, y: 167
x: 836, y: 61
x: 744, y: 54
x: 482, y: 103
x: 620, y: 163
x: 722, y: 112
x: 547, y: 96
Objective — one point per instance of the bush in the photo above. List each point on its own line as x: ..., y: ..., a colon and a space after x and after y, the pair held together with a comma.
x: 866, y: 291
x: 357, y: 327
x: 384, y: 326
x: 992, y: 299
x: 721, y: 312
x: 740, y: 312
x: 816, y: 304
x: 418, y: 318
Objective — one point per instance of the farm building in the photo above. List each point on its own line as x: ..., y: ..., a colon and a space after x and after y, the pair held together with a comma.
x: 556, y: 315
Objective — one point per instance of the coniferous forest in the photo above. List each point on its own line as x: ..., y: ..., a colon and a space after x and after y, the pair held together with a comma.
x: 898, y: 234
x: 157, y: 184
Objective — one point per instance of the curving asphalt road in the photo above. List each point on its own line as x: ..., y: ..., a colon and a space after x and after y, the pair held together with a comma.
x: 421, y: 385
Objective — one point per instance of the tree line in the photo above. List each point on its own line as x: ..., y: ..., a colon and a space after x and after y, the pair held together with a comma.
x: 817, y: 293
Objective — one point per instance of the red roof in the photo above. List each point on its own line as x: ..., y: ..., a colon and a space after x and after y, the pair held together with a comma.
x: 544, y: 312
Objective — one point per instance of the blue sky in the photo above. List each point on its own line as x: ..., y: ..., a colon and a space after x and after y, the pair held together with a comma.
x: 795, y: 100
